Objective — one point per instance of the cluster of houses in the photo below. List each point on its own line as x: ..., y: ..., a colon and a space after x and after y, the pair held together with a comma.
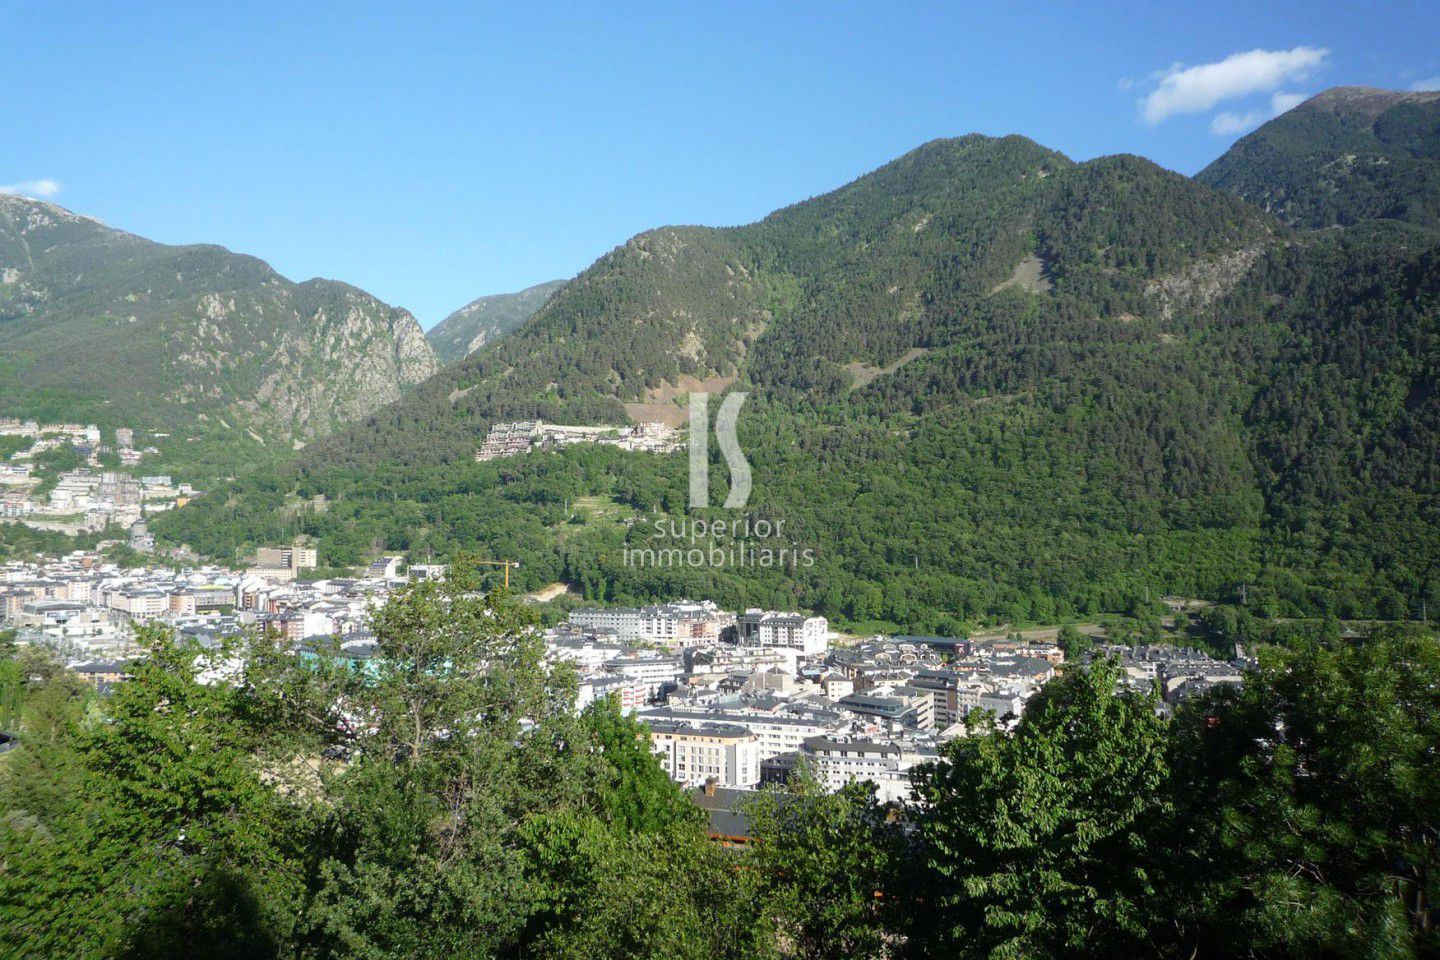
x: 87, y: 498
x: 736, y: 701
x: 87, y: 609
x: 522, y: 436
x: 85, y: 438
x: 739, y: 700
x: 732, y: 701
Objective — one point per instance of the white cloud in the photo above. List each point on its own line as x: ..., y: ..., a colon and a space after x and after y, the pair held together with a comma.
x: 1281, y: 102
x: 1195, y: 89
x: 1229, y: 122
x: 32, y: 188
x: 1426, y: 85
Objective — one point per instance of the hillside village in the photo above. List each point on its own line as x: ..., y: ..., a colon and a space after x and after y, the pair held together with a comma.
x: 511, y: 439
x: 84, y: 498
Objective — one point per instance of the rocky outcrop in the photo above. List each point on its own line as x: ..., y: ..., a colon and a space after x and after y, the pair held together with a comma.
x: 160, y: 335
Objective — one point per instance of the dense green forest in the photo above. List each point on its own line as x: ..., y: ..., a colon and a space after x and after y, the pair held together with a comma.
x: 1349, y: 155
x: 452, y: 803
x: 986, y: 384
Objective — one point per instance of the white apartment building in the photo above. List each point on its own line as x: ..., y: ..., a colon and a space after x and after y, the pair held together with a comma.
x: 680, y: 624
x: 630, y: 693
x: 588, y: 656
x: 693, y: 753
x: 838, y: 762
x: 794, y: 631
x: 655, y: 673
x: 139, y: 604
x: 774, y: 734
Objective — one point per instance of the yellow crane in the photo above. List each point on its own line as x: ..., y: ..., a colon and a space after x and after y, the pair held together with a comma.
x: 507, y: 564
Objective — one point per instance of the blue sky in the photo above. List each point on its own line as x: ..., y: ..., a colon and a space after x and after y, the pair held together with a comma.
x: 431, y: 153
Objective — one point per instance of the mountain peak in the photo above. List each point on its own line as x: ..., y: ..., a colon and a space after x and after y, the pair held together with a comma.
x: 1365, y: 101
x: 1345, y: 156
x: 143, y: 334
x: 485, y: 319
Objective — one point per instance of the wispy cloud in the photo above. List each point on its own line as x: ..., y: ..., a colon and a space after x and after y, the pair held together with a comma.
x: 1195, y: 89
x: 1230, y: 122
x: 1432, y: 83
x: 1281, y: 102
x: 32, y: 188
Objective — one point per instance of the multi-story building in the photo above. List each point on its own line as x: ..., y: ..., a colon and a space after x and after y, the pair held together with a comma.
x: 629, y: 693
x: 694, y: 752
x: 775, y: 734
x: 837, y: 762
x: 657, y: 673
x: 296, y: 556
x: 139, y: 603
x: 795, y: 631
x: 680, y: 624
x: 900, y: 708
x: 943, y: 689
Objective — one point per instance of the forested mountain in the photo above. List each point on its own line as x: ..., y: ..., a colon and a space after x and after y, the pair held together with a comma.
x: 986, y: 383
x: 486, y: 319
x: 102, y: 326
x: 1345, y: 156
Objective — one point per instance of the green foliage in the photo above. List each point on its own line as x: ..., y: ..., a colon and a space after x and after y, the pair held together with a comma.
x: 830, y: 868
x: 604, y: 891
x: 1075, y: 644
x: 160, y: 802
x: 1294, y: 817
x: 476, y: 813
x: 1349, y: 155
x: 1308, y: 797
x: 633, y: 793
x: 1038, y: 843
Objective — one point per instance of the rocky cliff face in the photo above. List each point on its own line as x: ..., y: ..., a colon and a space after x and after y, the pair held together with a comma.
x: 101, y: 325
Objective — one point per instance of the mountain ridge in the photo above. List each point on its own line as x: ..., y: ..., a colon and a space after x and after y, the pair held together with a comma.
x: 485, y: 319
x: 1346, y: 155
x: 986, y: 383
x: 98, y: 323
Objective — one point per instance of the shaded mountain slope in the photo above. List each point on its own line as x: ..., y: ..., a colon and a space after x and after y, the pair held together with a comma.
x: 486, y: 319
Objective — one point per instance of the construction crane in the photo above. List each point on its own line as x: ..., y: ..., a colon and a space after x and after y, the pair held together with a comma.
x: 507, y: 564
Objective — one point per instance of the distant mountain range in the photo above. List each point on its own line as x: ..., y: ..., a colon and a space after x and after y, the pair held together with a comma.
x: 486, y: 319
x: 986, y: 382
x: 104, y: 326
x: 1349, y: 155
